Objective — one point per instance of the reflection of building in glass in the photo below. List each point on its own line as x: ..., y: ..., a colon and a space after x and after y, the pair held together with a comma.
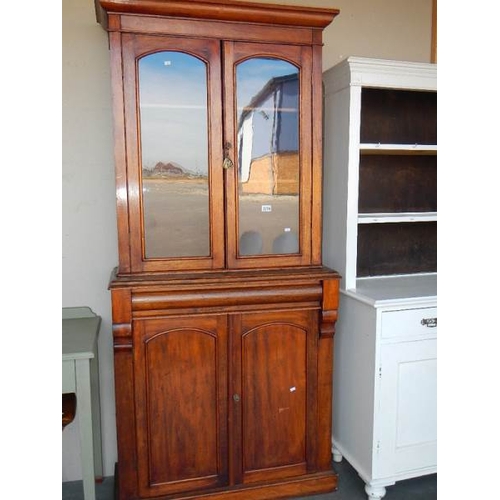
x: 268, y: 137
x: 170, y: 170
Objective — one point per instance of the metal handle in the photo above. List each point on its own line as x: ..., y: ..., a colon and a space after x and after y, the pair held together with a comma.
x: 236, y: 398
x: 227, y: 163
x: 429, y: 322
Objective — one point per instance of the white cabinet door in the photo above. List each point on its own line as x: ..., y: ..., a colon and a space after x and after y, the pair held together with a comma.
x: 408, y: 406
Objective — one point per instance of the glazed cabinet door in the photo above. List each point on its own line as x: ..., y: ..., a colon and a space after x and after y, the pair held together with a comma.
x: 180, y: 368
x: 268, y: 144
x: 217, y: 155
x: 171, y: 175
x: 273, y: 395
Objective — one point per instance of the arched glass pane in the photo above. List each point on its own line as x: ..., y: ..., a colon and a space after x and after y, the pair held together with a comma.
x: 174, y: 150
x: 268, y: 156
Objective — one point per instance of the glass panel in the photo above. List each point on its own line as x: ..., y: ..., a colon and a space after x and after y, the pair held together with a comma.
x: 174, y: 148
x: 268, y: 156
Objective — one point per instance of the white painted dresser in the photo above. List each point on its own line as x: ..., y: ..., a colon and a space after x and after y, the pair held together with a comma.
x: 380, y: 218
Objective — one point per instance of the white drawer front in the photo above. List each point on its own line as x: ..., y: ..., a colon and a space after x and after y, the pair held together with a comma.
x: 409, y: 323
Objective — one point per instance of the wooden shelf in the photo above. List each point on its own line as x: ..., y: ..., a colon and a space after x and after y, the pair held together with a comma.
x: 384, y: 218
x: 397, y: 149
x: 396, y: 290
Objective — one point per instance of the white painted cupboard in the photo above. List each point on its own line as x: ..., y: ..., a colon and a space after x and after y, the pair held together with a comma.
x: 379, y: 231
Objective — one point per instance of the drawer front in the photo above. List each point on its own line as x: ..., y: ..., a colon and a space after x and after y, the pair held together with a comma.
x: 68, y: 377
x: 409, y: 323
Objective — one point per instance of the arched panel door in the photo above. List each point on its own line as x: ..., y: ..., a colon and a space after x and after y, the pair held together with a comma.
x: 181, y: 384
x: 275, y: 411
x: 174, y: 153
x: 268, y: 140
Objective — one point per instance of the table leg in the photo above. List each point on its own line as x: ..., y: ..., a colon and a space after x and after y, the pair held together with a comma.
x: 96, y: 417
x: 84, y: 410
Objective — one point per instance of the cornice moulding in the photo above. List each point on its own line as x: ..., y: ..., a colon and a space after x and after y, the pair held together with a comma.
x: 247, y: 12
x: 386, y: 73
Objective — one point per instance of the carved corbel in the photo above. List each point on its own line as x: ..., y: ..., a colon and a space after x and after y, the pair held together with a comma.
x: 329, y: 311
x: 122, y: 319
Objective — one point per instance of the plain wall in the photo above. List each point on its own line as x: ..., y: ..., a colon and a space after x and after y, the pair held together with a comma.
x: 388, y: 29
x: 89, y: 249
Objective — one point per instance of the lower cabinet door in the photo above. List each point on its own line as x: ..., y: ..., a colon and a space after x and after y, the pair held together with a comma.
x: 274, y: 400
x: 408, y: 408
x: 180, y: 369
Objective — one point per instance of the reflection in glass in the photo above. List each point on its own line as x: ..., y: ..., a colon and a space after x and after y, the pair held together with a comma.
x: 174, y: 148
x: 268, y: 156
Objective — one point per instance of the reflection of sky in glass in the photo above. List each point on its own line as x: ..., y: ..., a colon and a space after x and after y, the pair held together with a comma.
x: 253, y: 74
x: 173, y: 107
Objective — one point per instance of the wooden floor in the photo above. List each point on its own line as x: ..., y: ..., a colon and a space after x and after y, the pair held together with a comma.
x: 351, y: 487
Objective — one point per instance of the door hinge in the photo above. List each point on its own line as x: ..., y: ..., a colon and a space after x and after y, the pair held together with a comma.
x: 380, y: 372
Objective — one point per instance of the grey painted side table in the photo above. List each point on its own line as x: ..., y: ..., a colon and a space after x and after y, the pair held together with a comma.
x: 80, y: 374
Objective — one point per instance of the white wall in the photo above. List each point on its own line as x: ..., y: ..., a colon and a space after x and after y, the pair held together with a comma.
x: 394, y: 29
x: 387, y: 29
x: 89, y: 249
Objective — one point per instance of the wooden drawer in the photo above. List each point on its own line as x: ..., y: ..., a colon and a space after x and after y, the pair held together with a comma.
x: 409, y: 323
